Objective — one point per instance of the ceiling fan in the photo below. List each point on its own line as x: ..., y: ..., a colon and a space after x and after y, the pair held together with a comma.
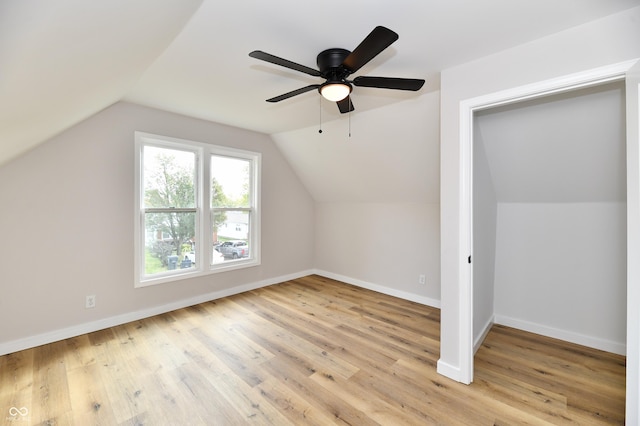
x: 336, y: 65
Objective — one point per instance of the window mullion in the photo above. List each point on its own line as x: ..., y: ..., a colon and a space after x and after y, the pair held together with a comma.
x: 204, y: 253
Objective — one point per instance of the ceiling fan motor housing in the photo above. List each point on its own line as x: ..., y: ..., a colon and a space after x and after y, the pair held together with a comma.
x: 330, y: 63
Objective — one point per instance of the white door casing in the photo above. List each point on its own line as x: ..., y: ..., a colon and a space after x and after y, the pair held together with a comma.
x: 633, y: 244
x: 468, y: 107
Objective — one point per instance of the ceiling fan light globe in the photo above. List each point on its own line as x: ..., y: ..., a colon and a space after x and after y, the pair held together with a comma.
x: 335, y: 92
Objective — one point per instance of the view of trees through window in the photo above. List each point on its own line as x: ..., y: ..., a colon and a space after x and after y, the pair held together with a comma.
x: 170, y: 182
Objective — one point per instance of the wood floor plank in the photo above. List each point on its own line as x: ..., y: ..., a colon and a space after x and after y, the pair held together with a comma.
x: 565, y: 380
x: 379, y: 410
x: 298, y: 381
x: 561, y: 358
x: 349, y: 347
x: 444, y: 398
x: 309, y: 351
x: 88, y: 396
x: 384, y: 386
x: 274, y: 329
x: 297, y: 410
x: 51, y: 403
x: 16, y: 384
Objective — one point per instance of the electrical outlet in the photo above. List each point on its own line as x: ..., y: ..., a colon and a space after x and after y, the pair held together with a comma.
x: 422, y: 279
x: 90, y: 301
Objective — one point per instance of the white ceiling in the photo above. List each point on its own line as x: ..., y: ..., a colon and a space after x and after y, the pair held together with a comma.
x: 206, y: 72
x: 62, y: 61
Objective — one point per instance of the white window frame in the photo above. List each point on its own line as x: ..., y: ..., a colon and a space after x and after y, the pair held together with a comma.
x: 204, y: 252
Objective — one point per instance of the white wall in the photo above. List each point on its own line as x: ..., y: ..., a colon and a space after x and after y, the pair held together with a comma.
x: 384, y: 155
x: 602, y: 42
x: 67, y: 225
x: 377, y: 195
x: 484, y: 242
x: 381, y: 246
x: 561, y: 271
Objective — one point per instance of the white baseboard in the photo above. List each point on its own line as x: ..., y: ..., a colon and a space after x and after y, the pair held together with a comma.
x: 483, y: 335
x: 89, y: 327
x: 451, y: 372
x: 381, y: 289
x: 568, y: 336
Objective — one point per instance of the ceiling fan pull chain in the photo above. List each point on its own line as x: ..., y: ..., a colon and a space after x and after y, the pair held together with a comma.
x: 320, y: 130
x: 349, y: 96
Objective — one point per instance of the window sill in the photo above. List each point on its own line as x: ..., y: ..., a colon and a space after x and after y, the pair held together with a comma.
x: 187, y: 274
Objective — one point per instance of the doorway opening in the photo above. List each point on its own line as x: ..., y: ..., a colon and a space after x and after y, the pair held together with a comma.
x: 549, y: 217
x: 468, y: 108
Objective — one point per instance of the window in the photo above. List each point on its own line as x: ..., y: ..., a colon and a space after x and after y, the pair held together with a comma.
x: 196, y: 209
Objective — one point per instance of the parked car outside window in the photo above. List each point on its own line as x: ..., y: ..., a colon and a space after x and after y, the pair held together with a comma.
x: 234, y: 249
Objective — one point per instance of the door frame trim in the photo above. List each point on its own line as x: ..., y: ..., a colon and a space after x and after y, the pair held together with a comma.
x: 468, y: 107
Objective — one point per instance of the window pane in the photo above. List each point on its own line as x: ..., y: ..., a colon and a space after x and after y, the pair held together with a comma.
x: 169, y: 242
x: 169, y: 178
x: 230, y: 182
x: 231, y: 235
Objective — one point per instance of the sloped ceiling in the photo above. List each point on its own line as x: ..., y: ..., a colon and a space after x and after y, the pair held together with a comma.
x: 64, y: 60
x: 563, y: 148
x: 389, y: 154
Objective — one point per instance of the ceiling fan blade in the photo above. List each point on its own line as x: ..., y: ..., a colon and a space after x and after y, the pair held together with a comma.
x: 345, y: 105
x: 293, y: 93
x: 263, y: 56
x: 377, y: 40
x: 389, y: 83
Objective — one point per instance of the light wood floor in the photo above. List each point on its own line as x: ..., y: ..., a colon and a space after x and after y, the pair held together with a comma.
x: 308, y: 351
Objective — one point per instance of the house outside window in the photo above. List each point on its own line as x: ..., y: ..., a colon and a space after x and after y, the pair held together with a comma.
x: 197, y: 209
